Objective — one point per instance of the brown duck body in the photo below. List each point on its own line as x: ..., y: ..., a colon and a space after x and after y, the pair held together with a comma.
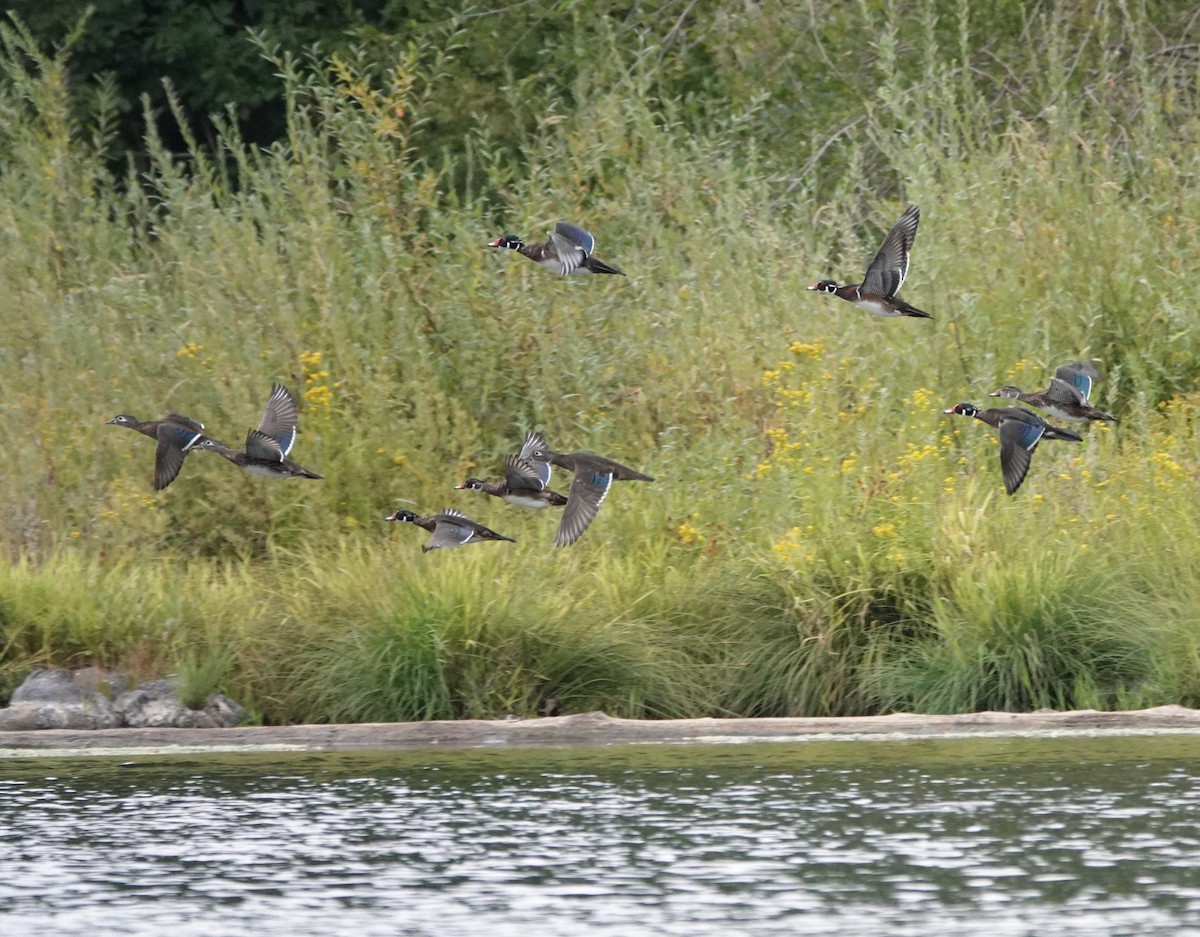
x: 877, y: 303
x: 525, y: 479
x: 450, y: 528
x: 1067, y: 396
x: 267, y: 447
x: 1062, y: 409
x: 592, y: 477
x: 1020, y: 432
x: 885, y: 274
x: 521, y: 496
x: 568, y: 250
x: 265, y: 465
x: 176, y: 436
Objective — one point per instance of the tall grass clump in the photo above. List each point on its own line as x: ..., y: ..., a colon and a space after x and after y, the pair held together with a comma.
x: 438, y: 639
x: 821, y: 537
x: 1007, y: 637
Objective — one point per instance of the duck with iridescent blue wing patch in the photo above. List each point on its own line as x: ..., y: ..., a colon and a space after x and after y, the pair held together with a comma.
x: 450, y: 528
x: 1067, y: 396
x: 568, y: 250
x: 885, y: 274
x: 525, y: 482
x: 592, y: 477
x: 1020, y: 432
x: 267, y: 447
x: 176, y: 434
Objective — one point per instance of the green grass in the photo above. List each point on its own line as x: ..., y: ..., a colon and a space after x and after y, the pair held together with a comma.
x: 820, y: 539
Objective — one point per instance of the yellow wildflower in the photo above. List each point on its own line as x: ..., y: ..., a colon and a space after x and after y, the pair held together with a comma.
x: 803, y: 350
x: 688, y: 532
x: 319, y: 395
x: 790, y: 546
x: 914, y: 454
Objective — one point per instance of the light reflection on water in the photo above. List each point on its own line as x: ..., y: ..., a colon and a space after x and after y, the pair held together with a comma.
x: 975, y: 836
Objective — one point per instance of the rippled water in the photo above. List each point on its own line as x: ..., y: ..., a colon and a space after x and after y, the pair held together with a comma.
x: 1064, y: 836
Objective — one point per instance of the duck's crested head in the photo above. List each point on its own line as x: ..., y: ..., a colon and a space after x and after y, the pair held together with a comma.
x: 211, y: 445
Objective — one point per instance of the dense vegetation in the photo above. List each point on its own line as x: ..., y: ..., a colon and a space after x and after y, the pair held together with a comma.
x: 821, y: 538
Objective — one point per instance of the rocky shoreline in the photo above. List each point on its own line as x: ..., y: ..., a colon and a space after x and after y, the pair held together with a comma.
x: 97, y: 699
x: 93, y: 711
x: 588, y: 729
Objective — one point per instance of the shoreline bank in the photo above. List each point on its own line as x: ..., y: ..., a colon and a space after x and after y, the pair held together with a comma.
x: 588, y: 729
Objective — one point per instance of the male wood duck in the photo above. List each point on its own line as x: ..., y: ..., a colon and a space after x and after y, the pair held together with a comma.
x: 1067, y: 395
x: 450, y: 528
x: 592, y: 476
x: 885, y: 274
x: 524, y: 481
x: 268, y: 446
x: 176, y: 435
x: 1020, y: 432
x: 568, y: 250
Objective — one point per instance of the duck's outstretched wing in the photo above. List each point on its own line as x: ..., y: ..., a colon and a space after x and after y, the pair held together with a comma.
x: 887, y: 272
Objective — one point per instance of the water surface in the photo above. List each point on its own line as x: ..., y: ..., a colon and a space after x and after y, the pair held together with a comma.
x: 966, y: 836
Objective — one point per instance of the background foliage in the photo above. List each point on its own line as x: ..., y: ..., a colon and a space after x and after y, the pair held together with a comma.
x: 821, y: 539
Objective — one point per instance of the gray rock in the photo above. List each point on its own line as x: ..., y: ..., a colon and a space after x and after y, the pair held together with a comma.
x: 59, y: 699
x: 21, y: 716
x: 157, y: 705
x: 51, y: 686
x: 154, y: 704
x: 41, y: 715
x: 223, y: 711
x: 52, y: 699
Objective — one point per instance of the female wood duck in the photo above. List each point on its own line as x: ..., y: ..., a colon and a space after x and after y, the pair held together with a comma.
x: 451, y: 528
x: 176, y: 435
x: 524, y: 481
x: 1067, y: 395
x: 593, y: 476
x: 568, y: 250
x: 268, y: 446
x: 1020, y: 432
x: 885, y: 274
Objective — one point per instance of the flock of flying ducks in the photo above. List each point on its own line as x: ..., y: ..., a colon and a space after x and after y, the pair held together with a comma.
x: 1020, y: 430
x: 527, y: 473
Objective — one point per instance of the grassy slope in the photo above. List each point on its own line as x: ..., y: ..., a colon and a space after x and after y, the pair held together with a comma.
x: 821, y: 538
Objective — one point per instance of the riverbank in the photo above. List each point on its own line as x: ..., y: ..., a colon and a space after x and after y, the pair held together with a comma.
x: 822, y: 537
x: 588, y: 729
